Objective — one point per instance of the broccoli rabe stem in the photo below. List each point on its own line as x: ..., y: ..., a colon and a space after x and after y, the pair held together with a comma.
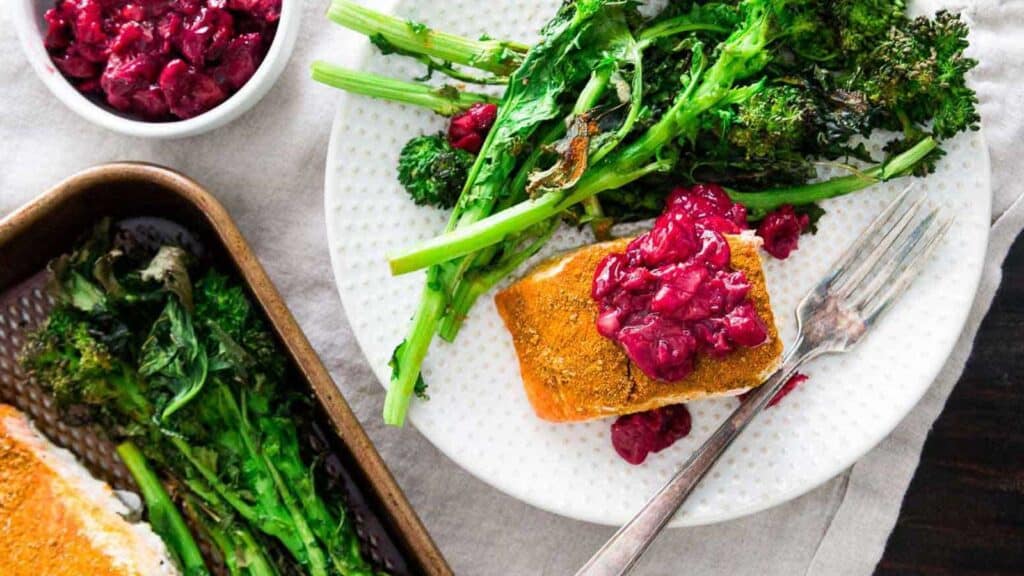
x: 273, y: 510
x: 282, y: 453
x: 317, y: 557
x: 497, y: 57
x: 477, y: 275
x: 528, y: 104
x: 493, y: 229
x: 409, y: 357
x: 591, y: 94
x: 464, y: 298
x: 444, y: 101
x: 163, y: 515
x: 759, y: 204
x: 477, y: 283
x: 676, y: 26
x: 242, y: 554
x: 741, y: 56
x: 234, y: 411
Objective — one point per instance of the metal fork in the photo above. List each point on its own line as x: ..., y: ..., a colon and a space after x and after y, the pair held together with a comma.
x: 832, y: 318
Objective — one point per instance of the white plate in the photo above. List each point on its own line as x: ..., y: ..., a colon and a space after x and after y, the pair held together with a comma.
x: 478, y: 414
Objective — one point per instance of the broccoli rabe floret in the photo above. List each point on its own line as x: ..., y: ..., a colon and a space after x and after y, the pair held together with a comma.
x: 432, y: 171
x: 863, y: 24
x: 68, y: 357
x: 777, y: 118
x: 918, y: 73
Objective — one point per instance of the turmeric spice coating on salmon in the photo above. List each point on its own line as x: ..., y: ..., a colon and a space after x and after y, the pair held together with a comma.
x: 572, y: 373
x: 57, y: 520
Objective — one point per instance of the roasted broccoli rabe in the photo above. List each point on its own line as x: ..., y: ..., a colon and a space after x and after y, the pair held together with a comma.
x: 187, y: 373
x: 750, y: 94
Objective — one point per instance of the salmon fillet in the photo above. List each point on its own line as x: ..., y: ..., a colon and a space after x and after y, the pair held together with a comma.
x: 572, y: 373
x: 57, y: 520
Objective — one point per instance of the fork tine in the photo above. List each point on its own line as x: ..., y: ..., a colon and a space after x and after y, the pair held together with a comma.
x: 867, y: 258
x: 911, y: 264
x: 890, y: 264
x: 865, y: 242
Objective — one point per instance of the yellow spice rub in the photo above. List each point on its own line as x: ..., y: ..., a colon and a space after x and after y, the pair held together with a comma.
x: 571, y: 372
x: 47, y: 526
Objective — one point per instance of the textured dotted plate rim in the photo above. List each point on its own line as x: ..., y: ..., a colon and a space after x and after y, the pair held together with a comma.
x: 597, y: 514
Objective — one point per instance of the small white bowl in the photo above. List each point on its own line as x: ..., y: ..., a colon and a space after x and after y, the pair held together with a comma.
x: 28, y: 20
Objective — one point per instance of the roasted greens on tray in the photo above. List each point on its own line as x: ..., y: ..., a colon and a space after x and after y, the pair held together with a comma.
x: 169, y: 356
x: 610, y: 109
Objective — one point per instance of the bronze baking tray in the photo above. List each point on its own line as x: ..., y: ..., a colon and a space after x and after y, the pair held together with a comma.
x: 392, y: 534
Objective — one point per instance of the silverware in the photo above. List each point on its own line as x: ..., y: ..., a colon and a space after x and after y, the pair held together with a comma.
x: 832, y: 318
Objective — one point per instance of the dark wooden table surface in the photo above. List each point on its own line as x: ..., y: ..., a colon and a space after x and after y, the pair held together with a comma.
x: 964, y: 512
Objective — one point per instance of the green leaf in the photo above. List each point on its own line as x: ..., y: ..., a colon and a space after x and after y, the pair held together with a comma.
x: 420, y: 387
x: 814, y: 214
x: 173, y: 359
x: 417, y: 28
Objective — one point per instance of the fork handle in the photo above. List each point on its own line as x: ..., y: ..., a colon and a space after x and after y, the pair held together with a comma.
x: 621, y: 552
